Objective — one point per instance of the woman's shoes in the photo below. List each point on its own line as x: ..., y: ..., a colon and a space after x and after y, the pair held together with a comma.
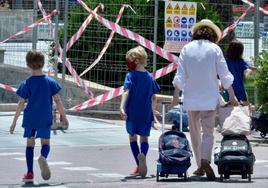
x: 205, y: 164
x: 199, y: 172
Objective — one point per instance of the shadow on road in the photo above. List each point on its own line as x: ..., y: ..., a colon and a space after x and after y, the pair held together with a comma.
x: 42, y: 184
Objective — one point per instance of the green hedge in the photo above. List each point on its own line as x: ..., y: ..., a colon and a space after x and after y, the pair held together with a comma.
x: 261, y: 80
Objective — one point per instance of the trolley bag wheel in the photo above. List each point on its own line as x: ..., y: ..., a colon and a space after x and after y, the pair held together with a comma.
x: 262, y: 134
x: 249, y: 177
x: 185, y: 176
x: 226, y: 176
x: 157, y: 176
x: 221, y: 177
x: 244, y: 176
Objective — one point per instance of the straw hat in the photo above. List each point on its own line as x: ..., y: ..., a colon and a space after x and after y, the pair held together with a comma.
x: 210, y: 24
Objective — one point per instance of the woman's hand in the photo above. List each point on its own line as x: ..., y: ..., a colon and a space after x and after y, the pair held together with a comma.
x: 233, y: 102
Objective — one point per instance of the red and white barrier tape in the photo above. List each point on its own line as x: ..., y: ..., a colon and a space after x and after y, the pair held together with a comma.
x: 233, y: 26
x: 131, y: 35
x: 43, y: 11
x: 30, y: 27
x: 134, y: 36
x: 81, y: 30
x: 8, y: 88
x: 106, y: 44
x: 80, y: 82
x: 252, y: 5
x: 119, y: 91
x: 68, y: 64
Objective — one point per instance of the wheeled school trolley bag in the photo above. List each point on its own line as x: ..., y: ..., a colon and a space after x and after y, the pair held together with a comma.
x: 174, y: 152
x: 234, y: 157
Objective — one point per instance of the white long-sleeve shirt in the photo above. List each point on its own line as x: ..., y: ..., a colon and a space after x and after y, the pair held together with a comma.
x: 199, y: 64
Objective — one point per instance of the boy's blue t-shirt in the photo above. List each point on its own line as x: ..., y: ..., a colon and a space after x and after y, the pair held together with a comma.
x: 38, y: 91
x: 141, y: 86
x: 237, y: 69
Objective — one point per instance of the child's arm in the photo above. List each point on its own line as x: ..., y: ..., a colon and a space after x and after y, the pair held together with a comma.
x: 61, y: 110
x: 122, y: 105
x: 18, y: 111
x: 155, y: 112
x: 249, y: 71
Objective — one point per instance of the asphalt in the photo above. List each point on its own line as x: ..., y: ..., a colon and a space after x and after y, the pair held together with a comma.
x: 95, y: 153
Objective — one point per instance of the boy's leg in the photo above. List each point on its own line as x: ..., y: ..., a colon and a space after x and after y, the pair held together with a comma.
x: 45, y: 171
x: 142, y: 155
x: 30, y: 154
x: 134, y: 147
x: 45, y: 147
x: 144, y: 144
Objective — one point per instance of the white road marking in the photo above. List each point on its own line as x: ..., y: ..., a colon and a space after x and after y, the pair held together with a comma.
x: 154, y: 149
x: 81, y: 168
x: 23, y: 158
x: 107, y: 175
x: 11, y: 153
x: 58, y: 163
x: 261, y: 161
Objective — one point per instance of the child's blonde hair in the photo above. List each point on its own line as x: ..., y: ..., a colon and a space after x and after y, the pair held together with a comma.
x: 137, y: 54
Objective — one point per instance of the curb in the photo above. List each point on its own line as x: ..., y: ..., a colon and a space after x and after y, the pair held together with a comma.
x: 8, y: 107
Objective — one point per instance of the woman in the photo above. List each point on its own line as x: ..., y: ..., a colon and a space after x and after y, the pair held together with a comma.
x: 199, y: 63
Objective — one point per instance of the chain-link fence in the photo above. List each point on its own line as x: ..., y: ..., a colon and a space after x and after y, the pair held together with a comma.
x: 110, y: 71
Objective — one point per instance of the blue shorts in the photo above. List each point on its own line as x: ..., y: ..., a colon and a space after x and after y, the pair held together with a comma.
x: 37, y: 133
x: 142, y: 129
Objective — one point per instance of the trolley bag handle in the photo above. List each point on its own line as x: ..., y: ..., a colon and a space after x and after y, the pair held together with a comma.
x: 164, y: 114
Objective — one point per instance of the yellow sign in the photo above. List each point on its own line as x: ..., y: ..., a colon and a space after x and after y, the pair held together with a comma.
x: 169, y: 9
x: 169, y: 23
x: 184, y: 10
x: 177, y: 9
x: 192, y: 10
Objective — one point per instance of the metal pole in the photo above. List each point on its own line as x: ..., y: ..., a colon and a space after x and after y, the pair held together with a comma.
x: 34, y: 36
x: 156, y: 6
x: 256, y: 38
x: 163, y: 117
x: 64, y: 48
x: 180, y: 116
x: 256, y: 28
x: 56, y: 39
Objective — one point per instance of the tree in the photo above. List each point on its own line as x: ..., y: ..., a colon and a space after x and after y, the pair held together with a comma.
x: 111, y: 71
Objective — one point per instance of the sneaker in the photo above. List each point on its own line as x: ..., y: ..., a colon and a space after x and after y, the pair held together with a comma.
x: 199, y: 172
x: 135, y: 171
x: 205, y: 164
x: 45, y: 171
x: 142, y: 165
x: 28, y: 178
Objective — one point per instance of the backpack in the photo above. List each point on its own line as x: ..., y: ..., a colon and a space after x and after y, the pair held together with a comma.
x: 234, y: 145
x: 174, y: 149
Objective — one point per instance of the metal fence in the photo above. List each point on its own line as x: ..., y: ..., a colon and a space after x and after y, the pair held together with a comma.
x: 148, y: 21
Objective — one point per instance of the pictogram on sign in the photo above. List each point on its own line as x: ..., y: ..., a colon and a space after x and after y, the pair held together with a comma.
x: 184, y: 10
x: 192, y: 10
x: 176, y: 22
x: 169, y: 23
x: 169, y: 9
x: 177, y: 9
